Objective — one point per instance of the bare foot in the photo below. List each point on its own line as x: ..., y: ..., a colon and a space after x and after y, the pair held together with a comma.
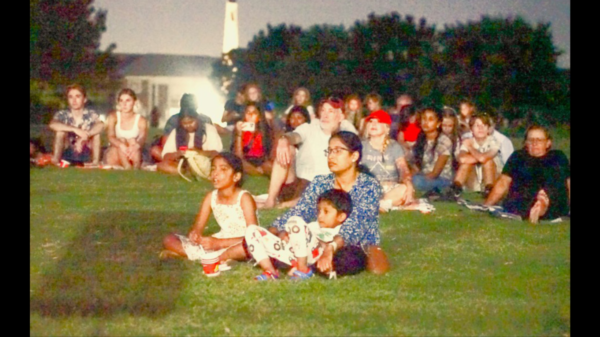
x: 534, y: 214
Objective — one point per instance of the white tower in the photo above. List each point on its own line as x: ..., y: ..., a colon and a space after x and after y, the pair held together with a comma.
x: 230, y: 36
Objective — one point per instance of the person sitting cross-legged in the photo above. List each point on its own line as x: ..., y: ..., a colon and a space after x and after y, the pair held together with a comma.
x: 77, y: 130
x: 537, y: 179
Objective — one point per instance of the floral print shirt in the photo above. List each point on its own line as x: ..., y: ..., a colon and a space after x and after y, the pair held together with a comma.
x: 361, y: 227
x: 89, y: 118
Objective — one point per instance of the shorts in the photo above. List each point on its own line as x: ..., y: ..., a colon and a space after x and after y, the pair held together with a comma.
x: 292, y: 190
x: 77, y: 158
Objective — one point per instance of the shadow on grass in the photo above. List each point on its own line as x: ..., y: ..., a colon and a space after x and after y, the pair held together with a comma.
x: 113, y: 267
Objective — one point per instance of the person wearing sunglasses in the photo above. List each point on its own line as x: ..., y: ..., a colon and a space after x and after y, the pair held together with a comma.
x: 311, y: 138
x: 537, y: 179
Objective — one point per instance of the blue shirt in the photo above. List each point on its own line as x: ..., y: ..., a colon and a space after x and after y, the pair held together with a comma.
x: 361, y: 227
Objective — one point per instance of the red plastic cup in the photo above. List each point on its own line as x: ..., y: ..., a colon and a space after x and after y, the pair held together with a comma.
x: 210, y: 264
x: 64, y: 163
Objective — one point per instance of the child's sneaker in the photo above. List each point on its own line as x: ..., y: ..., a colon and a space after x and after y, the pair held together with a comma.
x: 298, y: 275
x: 267, y: 275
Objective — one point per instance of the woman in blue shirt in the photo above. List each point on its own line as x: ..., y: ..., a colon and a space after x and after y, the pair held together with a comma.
x: 360, y: 232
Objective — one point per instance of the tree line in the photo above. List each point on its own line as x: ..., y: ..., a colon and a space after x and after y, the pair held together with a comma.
x: 505, y: 65
x: 64, y: 40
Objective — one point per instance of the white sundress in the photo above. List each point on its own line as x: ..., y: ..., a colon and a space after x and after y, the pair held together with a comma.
x: 231, y: 220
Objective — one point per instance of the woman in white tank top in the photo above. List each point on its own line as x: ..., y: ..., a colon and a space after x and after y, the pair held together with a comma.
x: 126, y: 133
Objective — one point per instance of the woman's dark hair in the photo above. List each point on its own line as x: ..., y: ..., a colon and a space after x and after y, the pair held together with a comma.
x: 354, y: 144
x: 339, y: 199
x: 188, y: 109
x: 262, y: 127
x: 419, y: 149
x: 235, y: 162
x: 296, y: 109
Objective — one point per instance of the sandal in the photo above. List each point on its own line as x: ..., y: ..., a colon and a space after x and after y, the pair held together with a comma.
x: 298, y: 275
x: 267, y: 275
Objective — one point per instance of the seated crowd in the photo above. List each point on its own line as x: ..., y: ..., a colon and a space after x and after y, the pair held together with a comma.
x: 372, y: 160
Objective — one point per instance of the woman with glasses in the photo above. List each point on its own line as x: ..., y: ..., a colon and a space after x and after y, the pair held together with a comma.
x: 537, y: 179
x: 356, y: 247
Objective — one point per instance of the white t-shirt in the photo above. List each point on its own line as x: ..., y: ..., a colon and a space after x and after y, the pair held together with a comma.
x: 506, y: 145
x: 310, y: 158
x: 211, y: 141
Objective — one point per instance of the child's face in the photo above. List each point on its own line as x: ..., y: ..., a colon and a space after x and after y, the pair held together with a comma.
x: 429, y: 121
x: 300, y: 97
x: 297, y: 119
x: 353, y: 105
x: 372, y: 105
x: 251, y: 115
x: 466, y: 110
x: 375, y: 129
x: 253, y: 94
x: 447, y: 125
x: 328, y: 216
x: 480, y: 130
x: 222, y: 174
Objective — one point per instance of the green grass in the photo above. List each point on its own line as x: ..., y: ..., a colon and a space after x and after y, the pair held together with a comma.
x: 95, y: 236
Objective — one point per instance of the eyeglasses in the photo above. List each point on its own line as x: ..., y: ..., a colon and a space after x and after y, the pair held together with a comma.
x: 535, y: 140
x: 335, y: 150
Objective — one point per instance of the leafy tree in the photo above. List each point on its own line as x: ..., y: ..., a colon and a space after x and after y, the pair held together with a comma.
x: 63, y: 48
x: 504, y: 64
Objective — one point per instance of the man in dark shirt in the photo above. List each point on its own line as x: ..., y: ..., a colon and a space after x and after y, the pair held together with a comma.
x: 538, y: 180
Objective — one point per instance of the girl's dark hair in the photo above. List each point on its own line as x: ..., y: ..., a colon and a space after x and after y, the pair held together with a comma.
x: 262, y: 127
x: 419, y: 149
x: 188, y: 109
x: 405, y: 114
x: 235, y: 162
x: 296, y: 109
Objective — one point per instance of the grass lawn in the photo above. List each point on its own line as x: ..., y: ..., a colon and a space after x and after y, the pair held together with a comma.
x: 95, y: 236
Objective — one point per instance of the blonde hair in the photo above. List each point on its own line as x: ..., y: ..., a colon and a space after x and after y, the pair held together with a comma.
x: 307, y: 102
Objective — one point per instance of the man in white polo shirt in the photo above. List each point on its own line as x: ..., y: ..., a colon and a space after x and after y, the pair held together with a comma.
x: 294, y: 170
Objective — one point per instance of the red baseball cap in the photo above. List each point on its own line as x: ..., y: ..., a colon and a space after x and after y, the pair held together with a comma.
x: 382, y: 117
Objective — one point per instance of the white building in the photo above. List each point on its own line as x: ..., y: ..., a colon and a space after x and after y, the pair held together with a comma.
x: 160, y: 80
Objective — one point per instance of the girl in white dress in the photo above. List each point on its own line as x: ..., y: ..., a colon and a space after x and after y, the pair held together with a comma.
x: 233, y: 208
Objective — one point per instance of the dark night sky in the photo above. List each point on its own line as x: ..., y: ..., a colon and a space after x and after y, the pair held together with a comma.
x: 195, y: 27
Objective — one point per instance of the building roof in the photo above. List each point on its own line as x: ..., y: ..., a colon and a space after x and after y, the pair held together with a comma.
x: 165, y: 65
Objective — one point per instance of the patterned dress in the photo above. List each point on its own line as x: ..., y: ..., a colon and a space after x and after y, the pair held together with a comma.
x: 362, y: 226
